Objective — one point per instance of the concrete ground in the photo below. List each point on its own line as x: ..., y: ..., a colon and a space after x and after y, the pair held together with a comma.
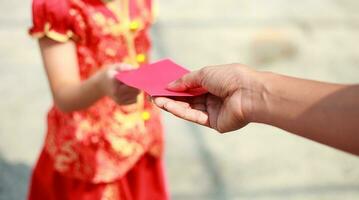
x: 309, y: 39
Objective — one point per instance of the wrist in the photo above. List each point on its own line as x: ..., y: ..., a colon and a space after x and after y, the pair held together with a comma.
x: 99, y: 80
x: 255, y: 97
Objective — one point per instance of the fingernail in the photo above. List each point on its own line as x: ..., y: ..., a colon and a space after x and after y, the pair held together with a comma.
x: 172, y: 85
x: 159, y: 101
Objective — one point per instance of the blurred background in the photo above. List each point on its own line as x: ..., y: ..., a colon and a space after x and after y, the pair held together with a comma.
x: 310, y: 39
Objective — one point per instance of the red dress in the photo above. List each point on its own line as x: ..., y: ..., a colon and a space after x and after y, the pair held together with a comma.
x: 105, y: 151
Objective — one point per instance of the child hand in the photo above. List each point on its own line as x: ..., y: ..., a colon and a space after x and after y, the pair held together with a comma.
x: 119, y: 92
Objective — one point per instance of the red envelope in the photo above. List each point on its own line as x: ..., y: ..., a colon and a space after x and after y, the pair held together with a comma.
x: 154, y: 78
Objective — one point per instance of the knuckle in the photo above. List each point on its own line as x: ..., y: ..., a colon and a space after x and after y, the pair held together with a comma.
x: 221, y: 129
x: 207, y: 69
x: 187, y: 114
x: 202, y: 72
x: 203, y: 75
x: 166, y: 105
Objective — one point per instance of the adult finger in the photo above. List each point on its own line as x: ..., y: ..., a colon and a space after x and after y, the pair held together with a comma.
x: 187, y: 113
x: 189, y: 81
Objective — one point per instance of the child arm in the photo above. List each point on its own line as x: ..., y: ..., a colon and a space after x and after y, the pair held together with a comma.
x: 69, y: 92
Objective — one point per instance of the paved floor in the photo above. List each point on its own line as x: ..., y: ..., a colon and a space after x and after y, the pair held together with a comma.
x: 309, y: 39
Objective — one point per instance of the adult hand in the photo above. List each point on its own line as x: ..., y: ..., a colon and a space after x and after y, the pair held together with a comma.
x: 323, y: 112
x: 226, y: 105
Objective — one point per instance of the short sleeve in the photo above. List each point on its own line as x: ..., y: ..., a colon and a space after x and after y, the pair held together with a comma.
x: 51, y: 19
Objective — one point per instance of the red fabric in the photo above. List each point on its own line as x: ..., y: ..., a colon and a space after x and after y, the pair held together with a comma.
x: 53, y: 12
x: 143, y: 182
x: 103, y: 143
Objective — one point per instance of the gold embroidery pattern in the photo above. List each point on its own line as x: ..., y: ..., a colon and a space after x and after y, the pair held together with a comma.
x: 65, y: 157
x: 111, y: 192
x: 124, y: 146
